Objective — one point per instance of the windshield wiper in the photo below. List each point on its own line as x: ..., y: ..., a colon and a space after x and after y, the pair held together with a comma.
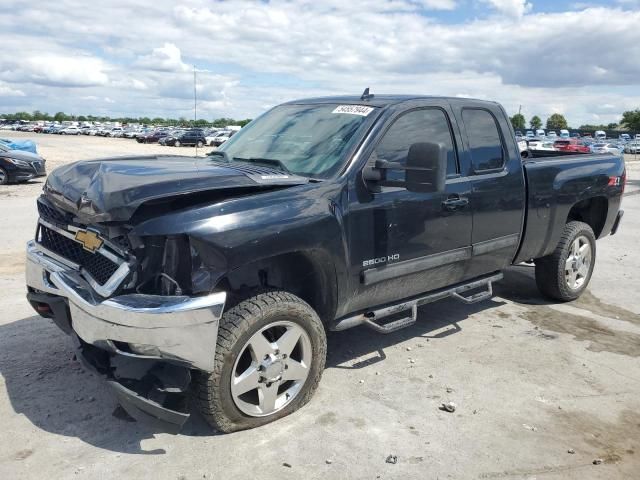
x: 265, y: 161
x: 219, y: 153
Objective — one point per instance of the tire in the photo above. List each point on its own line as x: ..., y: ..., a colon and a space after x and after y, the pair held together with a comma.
x: 565, y: 274
x: 238, y: 327
x: 4, y: 177
x: 199, y: 144
x: 177, y: 143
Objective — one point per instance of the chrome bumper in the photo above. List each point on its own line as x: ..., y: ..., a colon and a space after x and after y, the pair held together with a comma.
x: 178, y: 329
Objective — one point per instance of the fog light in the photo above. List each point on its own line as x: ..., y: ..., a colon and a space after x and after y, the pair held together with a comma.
x: 141, y: 349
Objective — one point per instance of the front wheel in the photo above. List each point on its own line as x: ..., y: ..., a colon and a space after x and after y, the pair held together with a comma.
x: 177, y: 143
x: 199, y: 144
x: 4, y: 176
x: 269, y: 358
x: 565, y: 274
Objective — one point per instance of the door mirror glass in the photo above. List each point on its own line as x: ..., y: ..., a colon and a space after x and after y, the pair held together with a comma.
x: 426, y: 167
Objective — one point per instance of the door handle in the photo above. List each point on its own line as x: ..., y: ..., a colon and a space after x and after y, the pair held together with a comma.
x: 455, y: 202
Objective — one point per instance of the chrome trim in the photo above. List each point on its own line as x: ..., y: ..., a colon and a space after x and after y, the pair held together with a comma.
x: 55, y: 256
x: 183, y: 329
x: 59, y: 230
x: 110, y: 285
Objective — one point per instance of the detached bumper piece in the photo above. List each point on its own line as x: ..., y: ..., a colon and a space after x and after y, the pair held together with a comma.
x: 150, y: 391
x: 145, y: 345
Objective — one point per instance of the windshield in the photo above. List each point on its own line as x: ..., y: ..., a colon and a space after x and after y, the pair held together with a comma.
x: 308, y: 140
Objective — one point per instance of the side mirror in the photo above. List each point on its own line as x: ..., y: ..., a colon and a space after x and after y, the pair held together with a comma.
x: 426, y: 167
x: 426, y: 170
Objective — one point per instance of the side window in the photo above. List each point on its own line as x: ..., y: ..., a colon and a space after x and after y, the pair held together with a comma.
x: 484, y: 140
x: 425, y: 125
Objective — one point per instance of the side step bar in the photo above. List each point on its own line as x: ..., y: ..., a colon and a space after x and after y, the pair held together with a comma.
x: 370, y: 319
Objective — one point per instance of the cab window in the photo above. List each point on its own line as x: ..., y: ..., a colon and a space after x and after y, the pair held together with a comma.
x: 416, y: 126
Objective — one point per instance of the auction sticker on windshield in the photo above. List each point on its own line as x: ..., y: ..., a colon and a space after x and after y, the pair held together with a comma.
x: 354, y: 110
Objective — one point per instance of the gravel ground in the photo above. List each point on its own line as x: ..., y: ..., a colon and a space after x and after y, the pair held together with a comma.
x: 532, y: 381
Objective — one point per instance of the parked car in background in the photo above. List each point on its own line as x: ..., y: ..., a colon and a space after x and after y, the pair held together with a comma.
x: 523, y: 146
x: 529, y: 134
x: 540, y: 133
x: 632, y: 147
x: 221, y: 137
x: 171, y: 136
x: 600, y: 135
x: 19, y: 165
x: 606, y: 148
x: 570, y: 145
x: 552, y: 134
x: 193, y: 136
x: 543, y: 146
x: 152, y: 137
x: 625, y: 137
x: 115, y: 132
x: 70, y: 130
x: 564, y: 134
x: 637, y: 137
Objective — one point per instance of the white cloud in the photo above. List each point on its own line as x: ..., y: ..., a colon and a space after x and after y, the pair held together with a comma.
x: 57, y: 70
x: 167, y: 58
x: 511, y: 8
x: 8, y: 91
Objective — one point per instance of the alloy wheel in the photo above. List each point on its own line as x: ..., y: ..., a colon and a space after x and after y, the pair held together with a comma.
x: 271, y: 369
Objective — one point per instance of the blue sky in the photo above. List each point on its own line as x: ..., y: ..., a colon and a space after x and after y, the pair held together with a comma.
x: 136, y: 58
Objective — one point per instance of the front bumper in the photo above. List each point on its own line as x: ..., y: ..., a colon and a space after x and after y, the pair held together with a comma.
x: 178, y: 330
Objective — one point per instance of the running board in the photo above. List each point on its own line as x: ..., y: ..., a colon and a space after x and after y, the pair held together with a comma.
x: 370, y: 319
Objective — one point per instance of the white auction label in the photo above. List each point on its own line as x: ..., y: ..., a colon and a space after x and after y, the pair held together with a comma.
x: 354, y: 110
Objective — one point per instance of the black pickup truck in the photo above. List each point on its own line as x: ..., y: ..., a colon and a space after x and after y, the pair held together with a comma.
x: 217, y: 278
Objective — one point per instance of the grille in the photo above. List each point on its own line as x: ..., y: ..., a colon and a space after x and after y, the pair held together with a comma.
x: 53, y: 215
x: 98, y: 266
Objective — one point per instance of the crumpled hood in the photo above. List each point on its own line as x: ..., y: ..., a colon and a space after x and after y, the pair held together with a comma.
x: 112, y: 189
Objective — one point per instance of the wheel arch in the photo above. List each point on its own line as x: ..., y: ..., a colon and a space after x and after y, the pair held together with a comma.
x: 308, y: 274
x: 592, y: 211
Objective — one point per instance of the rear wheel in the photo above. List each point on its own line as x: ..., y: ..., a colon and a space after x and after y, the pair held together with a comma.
x: 199, y: 144
x: 4, y: 177
x: 565, y: 274
x: 177, y: 143
x: 269, y: 358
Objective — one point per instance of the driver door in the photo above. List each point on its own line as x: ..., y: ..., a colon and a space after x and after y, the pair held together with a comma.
x: 404, y: 243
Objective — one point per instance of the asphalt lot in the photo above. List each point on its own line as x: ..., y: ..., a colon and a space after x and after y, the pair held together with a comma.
x: 531, y: 380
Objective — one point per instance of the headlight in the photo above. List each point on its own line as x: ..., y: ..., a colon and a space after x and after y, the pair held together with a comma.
x: 18, y: 163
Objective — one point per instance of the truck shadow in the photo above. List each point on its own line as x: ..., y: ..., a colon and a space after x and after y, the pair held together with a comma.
x: 49, y: 387
x: 435, y: 321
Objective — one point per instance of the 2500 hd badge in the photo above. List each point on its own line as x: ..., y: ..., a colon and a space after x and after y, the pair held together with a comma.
x: 376, y: 261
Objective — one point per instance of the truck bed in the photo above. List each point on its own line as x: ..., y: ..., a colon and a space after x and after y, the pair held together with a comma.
x: 565, y: 185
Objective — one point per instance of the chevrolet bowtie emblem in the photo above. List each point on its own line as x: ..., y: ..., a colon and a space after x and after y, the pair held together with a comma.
x: 89, y: 240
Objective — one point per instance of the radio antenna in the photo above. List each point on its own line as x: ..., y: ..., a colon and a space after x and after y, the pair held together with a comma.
x: 195, y: 104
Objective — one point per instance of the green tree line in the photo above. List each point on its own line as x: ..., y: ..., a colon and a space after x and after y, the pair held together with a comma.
x: 37, y: 115
x: 630, y: 121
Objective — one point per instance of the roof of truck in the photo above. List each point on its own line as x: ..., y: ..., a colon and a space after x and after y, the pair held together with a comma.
x: 382, y: 100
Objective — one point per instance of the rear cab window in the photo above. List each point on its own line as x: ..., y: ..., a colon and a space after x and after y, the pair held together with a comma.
x: 485, y: 142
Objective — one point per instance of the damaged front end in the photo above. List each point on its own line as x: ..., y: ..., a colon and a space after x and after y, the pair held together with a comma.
x: 143, y: 311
